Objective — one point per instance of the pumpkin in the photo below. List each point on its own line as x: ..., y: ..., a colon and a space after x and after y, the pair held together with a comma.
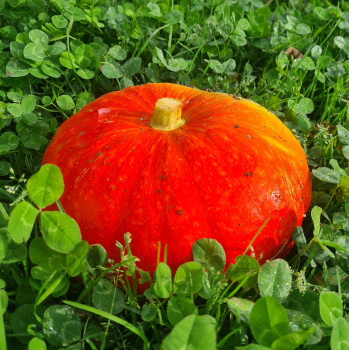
x: 173, y: 164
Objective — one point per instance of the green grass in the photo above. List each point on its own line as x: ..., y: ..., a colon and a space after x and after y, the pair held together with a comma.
x: 57, y: 56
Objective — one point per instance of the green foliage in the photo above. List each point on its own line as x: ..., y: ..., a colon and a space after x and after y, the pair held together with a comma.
x: 193, y: 332
x: 163, y: 281
x: 61, y: 325
x: 330, y: 307
x: 107, y: 297
x: 268, y: 321
x: 209, y: 253
x: 46, y: 186
x: 275, y: 280
x: 57, y: 56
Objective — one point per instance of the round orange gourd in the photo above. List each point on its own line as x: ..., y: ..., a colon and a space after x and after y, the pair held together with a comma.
x: 202, y: 165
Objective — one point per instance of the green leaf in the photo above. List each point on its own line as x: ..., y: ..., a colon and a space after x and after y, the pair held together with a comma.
x: 217, y: 66
x: 241, y: 308
x: 96, y: 256
x: 4, y: 217
x: 37, y: 73
x: 340, y: 335
x: 126, y: 82
x: 8, y: 32
x: 86, y: 74
x: 3, y: 301
x: 300, y: 321
x: 51, y: 69
x: 179, y: 307
x: 316, y: 51
x: 209, y: 253
x: 188, y: 278
x: 28, y: 103
x: 37, y: 344
x: 3, y: 246
x: 118, y: 52
x: 226, y: 67
x: 132, y: 66
x: 302, y: 29
x: 21, y: 318
x: 76, y: 260
x: 243, y: 23
x: 61, y: 325
x: 83, y: 99
x: 244, y: 266
x: 34, y: 52
x: 307, y: 63
x: 15, y: 96
x: 316, y: 216
x: 108, y: 298
x: 8, y: 142
x: 155, y: 10
x: 192, y: 333
x: 56, y: 284
x: 173, y: 17
x: 111, y: 72
x: 268, y: 321
x: 252, y: 347
x: 149, y: 312
x: 299, y: 237
x: 39, y: 38
x: 339, y: 170
x: 292, y: 341
x: 22, y: 221
x: 59, y: 21
x: 60, y: 231
x: 67, y: 60
x: 56, y: 49
x: 32, y: 136
x: 16, y: 49
x: 275, y: 279
x: 30, y: 119
x: 16, y: 68
x: 331, y: 307
x: 40, y: 273
x: 305, y: 106
x: 163, y: 281
x: 65, y: 102
x: 339, y: 41
x: 49, y: 259
x: 46, y: 186
x: 283, y: 59
x: 273, y: 78
x: 177, y: 64
x: 343, y: 134
x: 46, y: 100
x: 83, y: 55
x: 327, y: 175
x: 321, y: 77
x: 15, y: 109
x: 303, y: 122
x: 15, y: 253
x: 238, y: 40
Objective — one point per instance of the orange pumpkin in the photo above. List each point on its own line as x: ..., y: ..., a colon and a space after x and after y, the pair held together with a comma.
x: 173, y: 164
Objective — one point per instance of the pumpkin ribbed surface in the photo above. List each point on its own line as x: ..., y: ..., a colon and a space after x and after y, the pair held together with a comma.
x: 222, y: 174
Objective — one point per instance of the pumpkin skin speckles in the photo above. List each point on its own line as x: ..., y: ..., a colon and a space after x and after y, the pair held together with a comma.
x: 180, y: 185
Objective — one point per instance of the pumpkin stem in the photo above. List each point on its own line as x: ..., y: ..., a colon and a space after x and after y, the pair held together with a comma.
x: 167, y: 114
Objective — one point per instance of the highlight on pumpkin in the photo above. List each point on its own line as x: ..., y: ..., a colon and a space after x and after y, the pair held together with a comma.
x: 167, y: 114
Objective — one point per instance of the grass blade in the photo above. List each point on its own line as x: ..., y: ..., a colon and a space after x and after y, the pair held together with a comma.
x: 3, y: 345
x: 113, y: 318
